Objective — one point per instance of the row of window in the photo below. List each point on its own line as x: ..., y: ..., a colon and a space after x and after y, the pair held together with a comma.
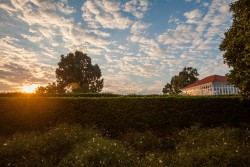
x: 217, y: 90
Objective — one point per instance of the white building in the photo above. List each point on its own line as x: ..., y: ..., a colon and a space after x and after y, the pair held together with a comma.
x: 212, y: 85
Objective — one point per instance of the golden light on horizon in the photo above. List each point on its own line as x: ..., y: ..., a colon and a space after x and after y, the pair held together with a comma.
x: 29, y: 88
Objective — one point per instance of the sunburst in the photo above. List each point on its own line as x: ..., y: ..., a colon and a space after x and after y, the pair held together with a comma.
x: 29, y: 88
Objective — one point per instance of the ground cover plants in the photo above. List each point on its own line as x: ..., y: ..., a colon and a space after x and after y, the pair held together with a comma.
x: 124, y: 131
x: 74, y: 145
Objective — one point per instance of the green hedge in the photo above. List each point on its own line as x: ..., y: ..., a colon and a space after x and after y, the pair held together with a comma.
x: 21, y: 94
x: 117, y: 115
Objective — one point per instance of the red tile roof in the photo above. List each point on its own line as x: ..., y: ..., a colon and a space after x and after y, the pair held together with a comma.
x: 212, y: 78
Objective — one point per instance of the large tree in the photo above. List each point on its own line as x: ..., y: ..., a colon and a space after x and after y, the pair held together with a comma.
x: 236, y: 45
x: 186, y: 77
x: 76, y: 71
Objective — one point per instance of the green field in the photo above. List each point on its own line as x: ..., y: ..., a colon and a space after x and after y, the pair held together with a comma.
x: 114, y: 130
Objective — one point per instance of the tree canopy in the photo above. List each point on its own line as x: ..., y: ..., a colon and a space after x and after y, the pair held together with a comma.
x: 236, y: 46
x: 186, y: 77
x: 77, y: 73
x: 50, y: 88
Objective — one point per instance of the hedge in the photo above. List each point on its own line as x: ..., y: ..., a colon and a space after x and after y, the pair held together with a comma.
x: 117, y: 115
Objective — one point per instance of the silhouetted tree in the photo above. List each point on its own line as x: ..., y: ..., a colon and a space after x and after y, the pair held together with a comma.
x: 186, y: 77
x: 50, y: 88
x: 40, y: 90
x: 77, y: 69
x: 236, y: 45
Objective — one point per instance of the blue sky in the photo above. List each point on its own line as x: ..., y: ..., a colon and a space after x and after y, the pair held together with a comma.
x: 138, y: 44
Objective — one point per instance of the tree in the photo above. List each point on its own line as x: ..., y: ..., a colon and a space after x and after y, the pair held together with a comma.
x: 50, y: 88
x: 236, y: 47
x: 40, y: 90
x: 77, y: 69
x: 168, y: 89
x: 186, y: 77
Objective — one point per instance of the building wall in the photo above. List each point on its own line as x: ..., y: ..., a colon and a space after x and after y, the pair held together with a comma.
x: 212, y: 89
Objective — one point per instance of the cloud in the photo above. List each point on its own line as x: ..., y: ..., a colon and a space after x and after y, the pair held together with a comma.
x: 35, y: 33
x: 121, y: 84
x: 155, y: 88
x: 137, y: 7
x: 205, y: 4
x: 100, y: 33
x: 193, y: 16
x: 123, y: 47
x: 19, y: 65
x: 139, y: 27
x: 196, y: 39
x: 51, y: 21
x: 182, y: 34
x: 32, y: 38
x: 106, y: 14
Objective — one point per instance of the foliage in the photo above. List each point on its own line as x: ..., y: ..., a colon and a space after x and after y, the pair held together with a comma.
x: 73, y: 145
x: 77, y: 69
x: 236, y: 45
x: 50, y: 88
x: 115, y: 116
x: 148, y: 141
x: 42, y: 149
x: 212, y: 147
x: 100, y: 152
x: 186, y: 77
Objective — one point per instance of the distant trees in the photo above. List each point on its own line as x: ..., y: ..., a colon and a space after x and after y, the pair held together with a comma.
x: 76, y: 72
x: 186, y: 77
x: 236, y: 45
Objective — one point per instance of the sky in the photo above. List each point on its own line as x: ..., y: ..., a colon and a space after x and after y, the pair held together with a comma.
x: 139, y: 45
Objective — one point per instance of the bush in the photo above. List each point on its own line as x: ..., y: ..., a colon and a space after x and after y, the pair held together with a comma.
x: 72, y: 145
x: 212, y: 147
x: 100, y: 152
x: 148, y: 141
x: 118, y: 115
x: 46, y: 149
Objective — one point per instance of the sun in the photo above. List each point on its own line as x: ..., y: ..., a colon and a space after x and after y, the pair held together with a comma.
x: 29, y: 88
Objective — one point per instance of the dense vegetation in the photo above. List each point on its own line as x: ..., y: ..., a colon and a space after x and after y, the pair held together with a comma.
x: 237, y: 48
x: 101, y: 130
x: 72, y: 145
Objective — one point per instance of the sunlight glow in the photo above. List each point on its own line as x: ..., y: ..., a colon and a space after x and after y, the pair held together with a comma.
x: 29, y: 88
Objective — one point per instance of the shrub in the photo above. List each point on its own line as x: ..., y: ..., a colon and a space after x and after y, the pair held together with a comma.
x: 148, y: 141
x: 46, y: 149
x: 100, y: 152
x: 116, y: 116
x: 212, y: 147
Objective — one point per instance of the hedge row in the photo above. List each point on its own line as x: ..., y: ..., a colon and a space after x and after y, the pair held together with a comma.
x: 117, y: 115
x: 21, y: 94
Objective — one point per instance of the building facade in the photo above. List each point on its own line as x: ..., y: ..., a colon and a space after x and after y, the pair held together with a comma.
x: 211, y: 85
